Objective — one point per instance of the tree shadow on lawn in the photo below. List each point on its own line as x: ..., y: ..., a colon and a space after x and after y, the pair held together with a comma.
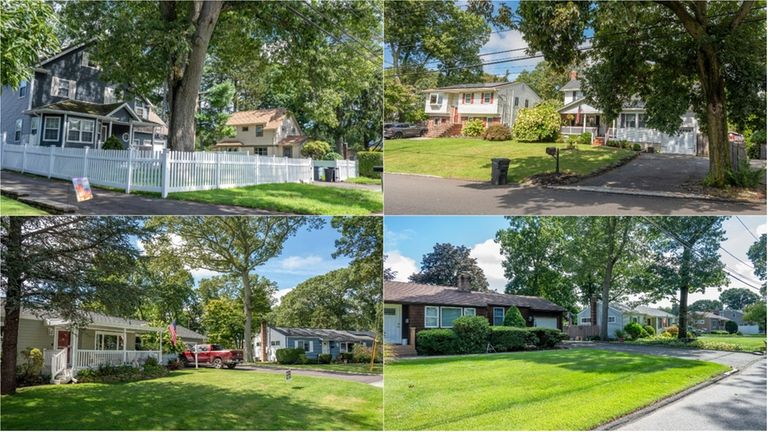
x: 174, y: 405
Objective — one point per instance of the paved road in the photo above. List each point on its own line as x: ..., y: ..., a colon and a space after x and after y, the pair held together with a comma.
x: 406, y: 194
x: 374, y: 380
x: 735, y: 403
x: 106, y: 202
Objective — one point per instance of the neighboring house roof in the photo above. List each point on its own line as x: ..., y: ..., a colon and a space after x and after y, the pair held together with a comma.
x: 271, y: 118
x: 473, y: 86
x: 94, y: 109
x: 229, y: 143
x: 413, y: 293
x: 292, y: 139
x: 645, y: 310
x: 711, y: 315
x: 326, y: 334
x: 574, y: 84
x: 63, y: 52
x: 633, y: 104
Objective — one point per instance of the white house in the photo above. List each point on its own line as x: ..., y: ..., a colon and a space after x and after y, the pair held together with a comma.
x: 265, y: 132
x: 313, y: 341
x: 620, y: 315
x: 450, y: 107
x: 579, y: 117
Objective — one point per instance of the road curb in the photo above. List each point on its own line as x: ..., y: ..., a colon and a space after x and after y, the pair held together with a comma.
x: 311, y: 370
x: 49, y: 206
x: 635, y: 415
x: 654, y: 194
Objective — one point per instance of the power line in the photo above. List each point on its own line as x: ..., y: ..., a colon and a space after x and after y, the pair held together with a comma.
x: 748, y: 230
x: 343, y: 29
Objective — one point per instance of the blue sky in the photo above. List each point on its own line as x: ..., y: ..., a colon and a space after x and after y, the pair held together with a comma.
x: 408, y: 238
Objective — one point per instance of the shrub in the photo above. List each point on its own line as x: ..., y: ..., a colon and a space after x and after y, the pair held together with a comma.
x: 33, y: 363
x: 540, y: 123
x: 650, y: 330
x: 620, y: 334
x: 673, y: 330
x: 585, y: 138
x: 367, y: 160
x: 636, y: 147
x: 514, y: 318
x: 345, y: 357
x: 315, y: 149
x: 635, y: 330
x: 719, y: 332
x: 547, y: 337
x: 666, y: 334
x: 112, y: 143
x: 744, y: 176
x: 613, y: 143
x: 436, y: 342
x: 473, y: 128
x: 332, y: 156
x: 151, y: 361
x: 303, y: 359
x: 472, y: 333
x: 757, y: 139
x: 362, y: 354
x: 731, y: 327
x: 324, y: 358
x: 497, y: 132
x: 288, y: 355
x: 504, y: 338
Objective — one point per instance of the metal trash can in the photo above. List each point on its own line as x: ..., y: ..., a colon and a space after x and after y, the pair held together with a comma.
x: 499, y: 169
x: 330, y: 174
x: 318, y: 173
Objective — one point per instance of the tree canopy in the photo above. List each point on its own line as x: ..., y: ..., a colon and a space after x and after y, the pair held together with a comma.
x: 27, y: 29
x: 738, y: 298
x: 445, y: 263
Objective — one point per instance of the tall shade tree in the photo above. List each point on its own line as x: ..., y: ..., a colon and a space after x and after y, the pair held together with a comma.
x: 546, y: 80
x: 233, y: 245
x: 738, y: 298
x: 673, y: 54
x: 61, y: 265
x: 686, y: 258
x: 705, y: 306
x: 445, y: 263
x: 534, y: 259
x: 756, y: 254
x: 27, y: 32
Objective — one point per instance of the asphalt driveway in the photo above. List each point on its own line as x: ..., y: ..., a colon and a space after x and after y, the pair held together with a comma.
x: 655, y: 172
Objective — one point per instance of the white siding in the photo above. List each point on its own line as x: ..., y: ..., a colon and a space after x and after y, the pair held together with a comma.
x: 441, y: 107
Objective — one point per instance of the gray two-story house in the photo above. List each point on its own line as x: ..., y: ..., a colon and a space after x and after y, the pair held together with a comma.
x: 66, y: 104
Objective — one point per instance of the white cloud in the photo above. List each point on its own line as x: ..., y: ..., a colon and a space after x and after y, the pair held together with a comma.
x: 489, y: 258
x: 502, y: 42
x: 761, y: 229
x: 392, y: 239
x: 199, y: 273
x: 403, y: 266
x: 296, y: 262
x: 278, y: 296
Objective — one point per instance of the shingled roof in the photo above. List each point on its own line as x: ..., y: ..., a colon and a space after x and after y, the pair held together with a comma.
x: 413, y: 293
x: 271, y: 118
x: 328, y: 334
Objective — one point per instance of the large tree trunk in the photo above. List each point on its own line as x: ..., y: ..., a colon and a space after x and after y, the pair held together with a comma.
x: 684, y: 288
x: 187, y: 73
x: 247, y: 333
x: 264, y: 341
x: 713, y: 86
x: 14, y: 266
x: 607, y: 278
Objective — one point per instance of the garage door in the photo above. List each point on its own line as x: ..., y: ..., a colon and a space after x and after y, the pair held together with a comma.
x: 546, y: 322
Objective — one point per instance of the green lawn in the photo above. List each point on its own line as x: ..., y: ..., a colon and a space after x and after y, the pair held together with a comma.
x: 741, y: 343
x: 355, y: 368
x: 574, y: 389
x: 747, y: 343
x: 470, y: 158
x: 363, y: 180
x: 293, y: 198
x: 11, y: 207
x: 203, y: 399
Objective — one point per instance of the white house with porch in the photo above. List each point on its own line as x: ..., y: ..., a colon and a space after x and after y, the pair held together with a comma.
x: 578, y: 116
x: 105, y: 340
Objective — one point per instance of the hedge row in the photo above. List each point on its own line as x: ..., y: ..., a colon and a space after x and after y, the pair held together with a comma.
x: 471, y: 335
x: 367, y: 161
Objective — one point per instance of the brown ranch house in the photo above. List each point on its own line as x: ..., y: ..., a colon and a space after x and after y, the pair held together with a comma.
x: 412, y: 307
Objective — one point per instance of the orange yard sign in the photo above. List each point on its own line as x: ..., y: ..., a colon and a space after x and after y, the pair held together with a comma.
x: 82, y: 188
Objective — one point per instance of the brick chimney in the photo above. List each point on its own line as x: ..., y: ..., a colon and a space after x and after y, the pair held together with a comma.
x: 573, y: 75
x: 464, y: 282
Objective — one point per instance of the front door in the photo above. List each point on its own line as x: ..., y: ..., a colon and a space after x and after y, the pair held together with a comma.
x: 62, y: 341
x: 393, y: 333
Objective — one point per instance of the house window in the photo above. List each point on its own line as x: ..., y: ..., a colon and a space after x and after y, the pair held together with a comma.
x: 346, y: 347
x: 261, y: 151
x: 23, y: 88
x: 259, y: 129
x: 275, y: 343
x: 87, y: 62
x: 80, y: 130
x: 245, y: 128
x: 448, y: 315
x: 627, y: 120
x: 435, y: 99
x: 436, y: 121
x: 641, y: 120
x: 498, y: 316
x: 109, y: 342
x: 51, y: 128
x: 33, y: 125
x: 486, y: 98
x: 586, y: 320
x: 469, y: 312
x: 141, y: 108
x: 634, y: 319
x: 431, y: 317
x: 17, y: 130
x: 467, y: 98
x: 110, y: 96
x: 611, y: 319
x: 137, y: 142
x: 304, y: 344
x: 526, y: 103
x: 65, y: 88
x: 517, y: 101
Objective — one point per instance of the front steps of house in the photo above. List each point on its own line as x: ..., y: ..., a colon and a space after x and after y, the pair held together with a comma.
x: 598, y: 141
x: 444, y: 130
x: 394, y: 352
x: 64, y: 377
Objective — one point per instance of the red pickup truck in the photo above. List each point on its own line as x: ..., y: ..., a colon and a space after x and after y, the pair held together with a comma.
x: 212, y: 354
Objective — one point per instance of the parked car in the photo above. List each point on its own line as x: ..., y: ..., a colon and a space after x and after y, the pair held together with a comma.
x: 213, y: 355
x: 735, y: 137
x: 403, y: 130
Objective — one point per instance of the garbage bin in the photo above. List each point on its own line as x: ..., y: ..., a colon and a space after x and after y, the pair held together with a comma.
x: 499, y: 169
x: 330, y: 174
x: 318, y: 171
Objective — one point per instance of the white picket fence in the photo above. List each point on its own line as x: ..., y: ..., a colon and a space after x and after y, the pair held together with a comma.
x: 156, y: 171
x: 346, y: 169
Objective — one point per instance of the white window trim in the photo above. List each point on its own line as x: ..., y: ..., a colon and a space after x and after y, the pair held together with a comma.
x: 611, y: 319
x: 489, y: 98
x: 25, y: 87
x: 436, y: 96
x: 426, y: 325
x: 58, y: 128
x: 110, y: 95
x: 258, y: 129
x: 466, y: 101
x: 18, y: 128
x: 586, y: 321
x: 461, y: 312
x: 474, y: 312
x: 34, y: 125
x: 107, y: 333
x: 493, y: 317
x: 80, y: 131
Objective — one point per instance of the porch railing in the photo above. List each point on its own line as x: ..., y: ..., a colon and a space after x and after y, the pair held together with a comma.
x: 576, y: 130
x: 89, y: 359
x: 58, y: 362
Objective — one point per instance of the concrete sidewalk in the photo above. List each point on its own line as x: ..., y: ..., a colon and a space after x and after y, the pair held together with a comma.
x: 60, y: 195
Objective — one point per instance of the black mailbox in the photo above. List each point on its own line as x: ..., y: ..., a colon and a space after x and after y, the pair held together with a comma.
x: 551, y: 151
x: 378, y: 169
